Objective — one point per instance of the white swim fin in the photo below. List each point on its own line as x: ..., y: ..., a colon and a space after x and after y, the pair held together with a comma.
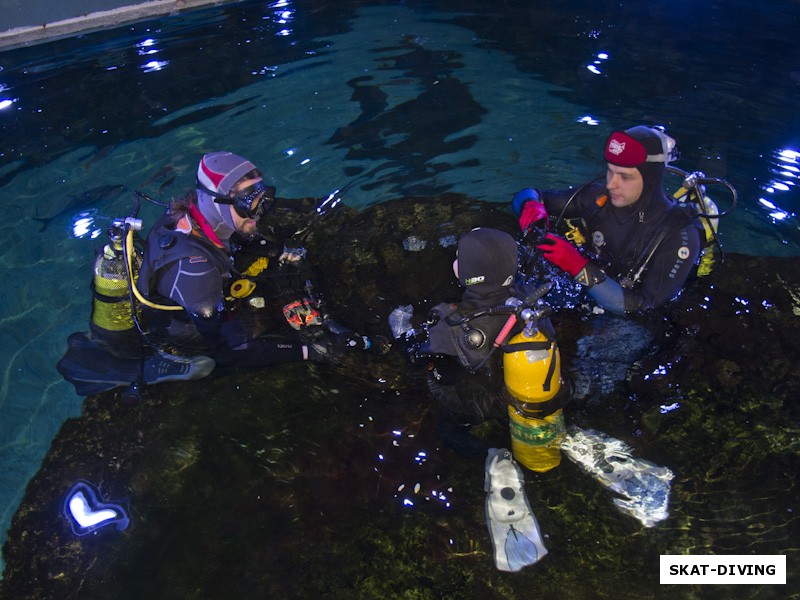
x: 513, y: 529
x: 643, y: 486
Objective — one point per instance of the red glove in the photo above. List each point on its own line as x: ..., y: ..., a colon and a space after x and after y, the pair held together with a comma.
x: 533, y: 211
x: 562, y: 254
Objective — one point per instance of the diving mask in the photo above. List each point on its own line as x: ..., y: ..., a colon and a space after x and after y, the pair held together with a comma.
x: 251, y: 202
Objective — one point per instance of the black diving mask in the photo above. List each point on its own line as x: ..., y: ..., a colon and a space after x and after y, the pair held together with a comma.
x: 251, y: 202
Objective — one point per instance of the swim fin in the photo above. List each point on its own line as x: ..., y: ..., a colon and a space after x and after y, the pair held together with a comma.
x: 93, y: 370
x: 516, y: 540
x: 643, y: 487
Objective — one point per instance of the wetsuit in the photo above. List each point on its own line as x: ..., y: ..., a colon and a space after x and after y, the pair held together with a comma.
x: 622, y: 240
x: 453, y: 349
x: 190, y: 270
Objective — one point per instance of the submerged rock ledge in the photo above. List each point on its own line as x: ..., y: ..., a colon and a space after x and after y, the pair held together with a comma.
x: 268, y: 483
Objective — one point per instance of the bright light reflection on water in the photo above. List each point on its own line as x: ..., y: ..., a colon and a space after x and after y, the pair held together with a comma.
x: 786, y: 172
x: 154, y: 65
x: 84, y: 226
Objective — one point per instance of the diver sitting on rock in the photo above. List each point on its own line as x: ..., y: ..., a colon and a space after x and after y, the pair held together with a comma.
x: 191, y: 316
x: 457, y: 342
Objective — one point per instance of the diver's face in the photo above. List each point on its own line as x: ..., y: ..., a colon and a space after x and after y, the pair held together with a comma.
x: 246, y: 226
x: 625, y: 185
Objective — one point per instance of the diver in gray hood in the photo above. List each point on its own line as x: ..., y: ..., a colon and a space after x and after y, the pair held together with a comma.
x: 192, y: 298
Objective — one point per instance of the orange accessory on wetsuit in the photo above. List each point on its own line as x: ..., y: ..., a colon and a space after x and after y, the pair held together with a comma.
x: 302, y: 313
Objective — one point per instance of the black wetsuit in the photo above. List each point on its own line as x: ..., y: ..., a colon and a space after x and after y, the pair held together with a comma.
x: 468, y: 387
x: 465, y: 374
x: 191, y: 271
x: 623, y: 238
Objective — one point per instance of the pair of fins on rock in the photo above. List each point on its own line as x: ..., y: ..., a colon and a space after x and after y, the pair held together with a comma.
x: 517, y: 542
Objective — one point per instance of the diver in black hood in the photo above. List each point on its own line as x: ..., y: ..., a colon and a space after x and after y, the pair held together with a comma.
x: 464, y: 374
x: 643, y: 246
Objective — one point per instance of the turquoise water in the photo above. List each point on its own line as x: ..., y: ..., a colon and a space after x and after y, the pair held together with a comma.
x: 390, y: 100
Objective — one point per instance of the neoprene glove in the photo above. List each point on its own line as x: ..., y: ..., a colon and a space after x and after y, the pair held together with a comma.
x: 292, y: 256
x: 400, y: 320
x: 530, y: 209
x: 562, y: 254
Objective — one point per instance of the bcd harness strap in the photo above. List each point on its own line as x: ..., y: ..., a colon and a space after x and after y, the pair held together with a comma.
x: 670, y: 221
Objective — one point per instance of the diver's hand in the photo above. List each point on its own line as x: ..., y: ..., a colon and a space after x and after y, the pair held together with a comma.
x: 400, y: 320
x: 530, y: 209
x: 292, y: 256
x: 562, y: 254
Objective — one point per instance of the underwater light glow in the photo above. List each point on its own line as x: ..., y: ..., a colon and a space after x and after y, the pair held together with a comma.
x: 79, y: 508
x: 5, y: 103
x: 86, y: 511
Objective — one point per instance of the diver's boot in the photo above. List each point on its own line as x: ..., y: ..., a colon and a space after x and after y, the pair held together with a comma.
x: 166, y: 367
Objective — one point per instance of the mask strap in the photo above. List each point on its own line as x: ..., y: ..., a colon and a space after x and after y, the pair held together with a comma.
x: 669, y: 149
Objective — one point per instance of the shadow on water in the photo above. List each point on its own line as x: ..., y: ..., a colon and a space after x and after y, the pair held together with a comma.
x: 318, y: 481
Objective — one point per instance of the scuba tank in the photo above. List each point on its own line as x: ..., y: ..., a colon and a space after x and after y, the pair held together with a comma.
x: 532, y: 374
x: 112, y: 322
x: 693, y: 193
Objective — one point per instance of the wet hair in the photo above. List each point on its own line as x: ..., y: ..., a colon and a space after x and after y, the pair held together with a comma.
x: 178, y: 207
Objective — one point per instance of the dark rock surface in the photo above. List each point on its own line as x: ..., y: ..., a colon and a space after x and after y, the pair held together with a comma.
x: 309, y: 481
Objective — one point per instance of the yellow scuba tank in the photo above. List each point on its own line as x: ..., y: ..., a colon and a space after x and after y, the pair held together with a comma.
x: 693, y: 192
x: 111, y: 321
x: 705, y: 206
x: 532, y: 376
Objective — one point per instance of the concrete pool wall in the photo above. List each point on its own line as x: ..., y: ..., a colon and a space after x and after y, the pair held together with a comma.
x: 26, y: 22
